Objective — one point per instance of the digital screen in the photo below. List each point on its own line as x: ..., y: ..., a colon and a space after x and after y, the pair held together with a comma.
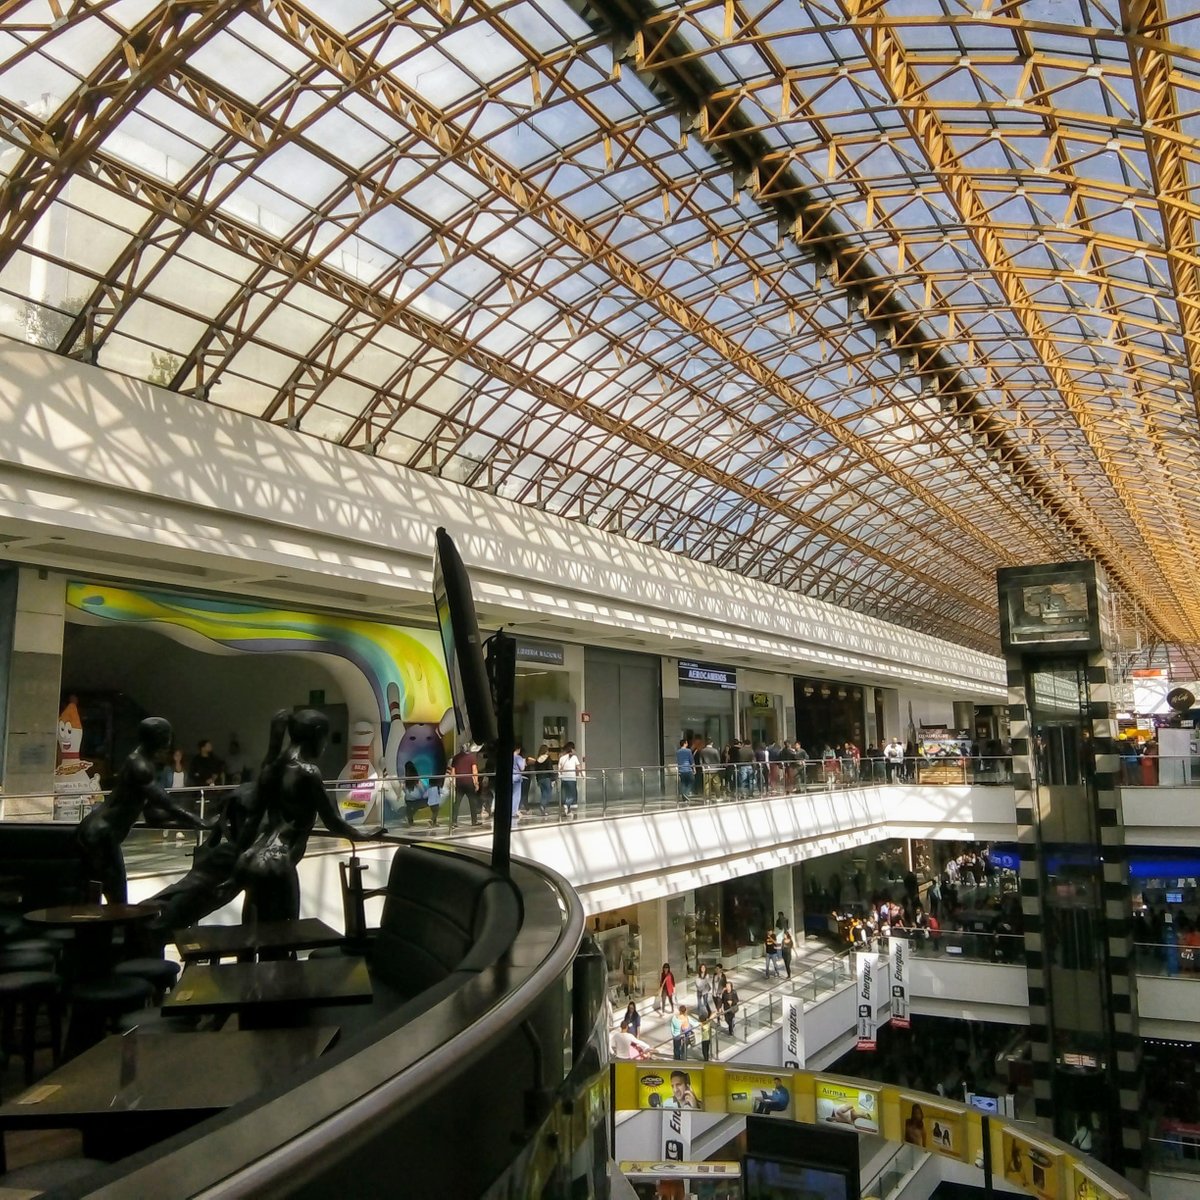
x: 441, y: 601
x: 1174, y: 897
x: 772, y: 1179
x: 986, y: 1104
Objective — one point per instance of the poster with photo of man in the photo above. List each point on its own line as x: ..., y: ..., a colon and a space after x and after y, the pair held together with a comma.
x: 662, y: 1088
x: 759, y: 1092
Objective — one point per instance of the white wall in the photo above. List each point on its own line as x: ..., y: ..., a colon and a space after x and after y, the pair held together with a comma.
x: 106, y: 463
x: 1161, y: 816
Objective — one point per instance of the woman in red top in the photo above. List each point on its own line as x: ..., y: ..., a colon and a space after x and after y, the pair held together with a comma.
x: 666, y: 988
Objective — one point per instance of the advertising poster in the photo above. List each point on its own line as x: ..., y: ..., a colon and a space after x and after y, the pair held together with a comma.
x: 758, y: 1092
x: 660, y: 1087
x: 1031, y: 1166
x: 898, y: 950
x: 1085, y: 1186
x: 865, y: 1000
x: 845, y: 1104
x: 933, y: 1128
x: 676, y: 1134
x: 792, y: 1042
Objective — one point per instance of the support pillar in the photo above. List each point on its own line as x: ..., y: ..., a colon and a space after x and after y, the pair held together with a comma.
x: 32, y: 687
x: 1075, y: 894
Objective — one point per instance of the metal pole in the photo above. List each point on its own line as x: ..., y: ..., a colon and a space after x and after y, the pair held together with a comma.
x: 502, y: 663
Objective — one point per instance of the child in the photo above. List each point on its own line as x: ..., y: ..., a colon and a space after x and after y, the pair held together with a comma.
x: 706, y: 1033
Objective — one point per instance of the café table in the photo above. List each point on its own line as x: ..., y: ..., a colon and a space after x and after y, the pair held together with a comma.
x: 264, y: 991
x: 93, y: 926
x: 132, y: 1090
x: 210, y: 943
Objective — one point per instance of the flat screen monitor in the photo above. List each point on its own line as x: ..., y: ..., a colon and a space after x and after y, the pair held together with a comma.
x: 983, y: 1102
x: 778, y: 1179
x: 788, y: 1160
x: 470, y: 691
x: 1174, y: 897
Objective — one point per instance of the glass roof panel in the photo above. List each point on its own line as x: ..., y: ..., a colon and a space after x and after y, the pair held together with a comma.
x: 507, y: 226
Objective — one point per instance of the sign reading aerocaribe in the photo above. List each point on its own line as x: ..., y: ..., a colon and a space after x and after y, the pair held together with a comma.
x: 898, y: 974
x: 865, y: 969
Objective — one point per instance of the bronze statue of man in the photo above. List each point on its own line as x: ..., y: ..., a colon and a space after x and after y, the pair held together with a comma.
x: 291, y: 796
x: 136, y: 793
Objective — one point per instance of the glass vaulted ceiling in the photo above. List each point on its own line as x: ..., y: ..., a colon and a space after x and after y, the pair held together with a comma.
x: 864, y: 298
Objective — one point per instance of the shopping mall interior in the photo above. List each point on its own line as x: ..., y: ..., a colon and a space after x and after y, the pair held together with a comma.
x: 805, y: 395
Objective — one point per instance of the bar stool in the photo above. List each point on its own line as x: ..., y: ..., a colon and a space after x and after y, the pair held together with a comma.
x: 26, y: 960
x: 160, y: 973
x: 29, y: 990
x: 97, y: 1004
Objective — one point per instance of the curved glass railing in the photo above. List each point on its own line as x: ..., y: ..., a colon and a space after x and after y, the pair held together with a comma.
x: 600, y: 791
x: 446, y: 1092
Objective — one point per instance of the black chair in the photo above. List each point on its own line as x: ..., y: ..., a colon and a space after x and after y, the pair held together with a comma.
x: 29, y: 991
x: 158, y: 972
x: 98, y: 1004
x: 26, y: 960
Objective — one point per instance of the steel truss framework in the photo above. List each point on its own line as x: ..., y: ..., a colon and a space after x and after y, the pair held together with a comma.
x: 861, y: 297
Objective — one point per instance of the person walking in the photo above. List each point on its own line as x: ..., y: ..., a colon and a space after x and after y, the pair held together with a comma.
x: 893, y: 759
x: 681, y: 1031
x: 632, y: 1019
x: 685, y: 764
x: 706, y: 1035
x: 666, y: 988
x: 541, y: 774
x: 709, y: 759
x: 625, y: 1044
x: 464, y: 770
x: 729, y: 1005
x: 786, y: 946
x: 518, y: 781
x: 568, y: 779
x: 704, y: 986
x: 772, y: 967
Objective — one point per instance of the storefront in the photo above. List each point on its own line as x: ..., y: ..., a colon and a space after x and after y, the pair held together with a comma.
x: 707, y: 702
x: 765, y: 707
x: 829, y: 713
x: 549, y: 684
x: 721, y: 923
x: 218, y: 667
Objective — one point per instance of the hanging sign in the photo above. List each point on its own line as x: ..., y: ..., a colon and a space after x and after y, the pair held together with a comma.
x: 708, y: 675
x: 793, y: 1033
x: 898, y: 950
x: 550, y: 653
x: 865, y: 999
x: 676, y: 1134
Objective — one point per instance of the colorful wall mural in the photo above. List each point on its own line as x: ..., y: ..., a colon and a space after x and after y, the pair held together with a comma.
x: 402, y: 666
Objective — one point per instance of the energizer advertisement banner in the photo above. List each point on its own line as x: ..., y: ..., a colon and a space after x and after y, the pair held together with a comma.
x: 676, y: 1134
x: 898, y: 975
x: 865, y: 999
x: 793, y: 1033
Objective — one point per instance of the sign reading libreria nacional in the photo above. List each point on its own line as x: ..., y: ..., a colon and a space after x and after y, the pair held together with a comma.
x: 708, y: 675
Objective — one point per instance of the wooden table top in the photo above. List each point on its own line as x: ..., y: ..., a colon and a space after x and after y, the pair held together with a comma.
x: 92, y: 914
x: 214, y: 941
x: 232, y: 987
x: 158, y: 1072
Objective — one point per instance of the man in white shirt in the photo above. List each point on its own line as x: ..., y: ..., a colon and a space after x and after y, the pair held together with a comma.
x: 624, y: 1045
x: 893, y: 759
x: 569, y: 765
